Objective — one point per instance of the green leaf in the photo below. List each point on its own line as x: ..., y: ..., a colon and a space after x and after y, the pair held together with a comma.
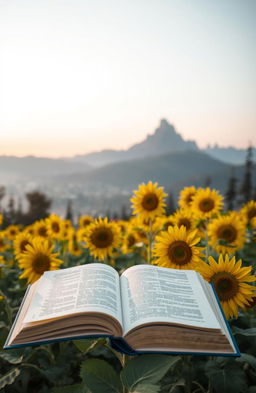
x: 9, y: 378
x: 13, y: 357
x: 100, y: 377
x: 78, y: 388
x: 246, y: 358
x: 228, y: 379
x: 88, y: 345
x: 245, y: 332
x: 147, y: 388
x: 146, y: 370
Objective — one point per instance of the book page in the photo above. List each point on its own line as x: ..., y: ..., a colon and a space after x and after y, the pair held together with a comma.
x: 156, y: 294
x: 93, y: 287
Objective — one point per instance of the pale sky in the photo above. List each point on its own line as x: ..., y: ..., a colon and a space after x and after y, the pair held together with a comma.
x: 83, y: 75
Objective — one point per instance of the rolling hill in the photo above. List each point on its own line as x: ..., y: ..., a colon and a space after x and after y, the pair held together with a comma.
x: 166, y: 169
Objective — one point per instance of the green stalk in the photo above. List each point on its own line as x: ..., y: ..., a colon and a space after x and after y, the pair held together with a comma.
x: 150, y: 242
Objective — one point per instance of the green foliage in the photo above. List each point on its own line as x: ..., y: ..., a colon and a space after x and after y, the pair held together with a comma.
x: 247, y: 359
x: 88, y: 345
x: 9, y: 377
x: 146, y: 370
x: 13, y: 357
x: 251, y: 332
x: 226, y: 376
x: 99, y: 376
x: 77, y: 388
x: 93, y: 366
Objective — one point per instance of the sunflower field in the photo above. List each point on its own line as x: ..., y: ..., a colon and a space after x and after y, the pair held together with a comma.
x: 200, y: 235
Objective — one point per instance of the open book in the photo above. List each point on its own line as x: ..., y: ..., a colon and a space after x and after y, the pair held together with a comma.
x: 146, y: 309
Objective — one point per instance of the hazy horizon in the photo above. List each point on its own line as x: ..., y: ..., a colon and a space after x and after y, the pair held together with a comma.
x: 80, y: 76
x: 124, y: 148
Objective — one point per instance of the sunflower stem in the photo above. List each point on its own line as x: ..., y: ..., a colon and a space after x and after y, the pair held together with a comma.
x: 207, y: 240
x: 150, y: 242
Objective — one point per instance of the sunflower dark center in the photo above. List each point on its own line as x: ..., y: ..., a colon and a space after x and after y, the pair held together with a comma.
x: 184, y: 221
x: 225, y: 284
x: 179, y: 252
x: 13, y: 232
x: 102, y: 237
x: 41, y: 263
x: 189, y: 198
x: 227, y: 233
x: 168, y: 224
x: 206, y: 205
x: 86, y: 222
x: 1, y: 243
x: 23, y: 245
x: 131, y: 241
x: 55, y: 227
x: 142, y: 235
x: 42, y: 231
x: 150, y: 201
x: 252, y: 213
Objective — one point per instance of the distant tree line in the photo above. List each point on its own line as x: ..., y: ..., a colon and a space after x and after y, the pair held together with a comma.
x: 38, y: 207
x: 236, y: 196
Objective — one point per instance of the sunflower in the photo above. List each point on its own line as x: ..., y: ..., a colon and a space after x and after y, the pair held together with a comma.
x: 148, y: 201
x: 230, y: 280
x: 30, y: 229
x: 38, y: 258
x: 139, y: 230
x: 176, y: 248
x: 84, y: 221
x: 152, y: 226
x: 81, y: 233
x: 67, y: 224
x: 124, y: 225
x: 167, y: 222
x: 55, y: 226
x: 67, y: 230
x: 40, y: 229
x: 67, y: 227
x: 73, y: 243
x: 253, y: 222
x: 184, y: 217
x: 102, y: 237
x: 11, y: 232
x: 206, y: 203
x: 20, y: 243
x: 130, y: 239
x: 186, y: 196
x: 248, y: 211
x: 227, y: 233
x: 1, y: 219
x: 3, y: 243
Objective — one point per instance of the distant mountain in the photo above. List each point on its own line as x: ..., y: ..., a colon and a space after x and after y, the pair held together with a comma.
x: 167, y: 169
x: 110, y: 187
x: 230, y: 154
x: 165, y: 139
x: 12, y: 167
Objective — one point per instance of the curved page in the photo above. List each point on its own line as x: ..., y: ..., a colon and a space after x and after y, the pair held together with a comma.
x: 87, y: 288
x: 155, y: 294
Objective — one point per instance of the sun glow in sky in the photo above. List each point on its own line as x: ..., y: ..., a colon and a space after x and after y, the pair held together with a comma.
x: 80, y: 75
